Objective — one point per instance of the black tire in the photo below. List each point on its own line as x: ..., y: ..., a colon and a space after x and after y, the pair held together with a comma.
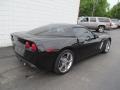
x: 101, y: 28
x: 59, y: 62
x: 107, y: 47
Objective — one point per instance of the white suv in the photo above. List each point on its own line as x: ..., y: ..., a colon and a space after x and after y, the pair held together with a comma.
x: 97, y: 23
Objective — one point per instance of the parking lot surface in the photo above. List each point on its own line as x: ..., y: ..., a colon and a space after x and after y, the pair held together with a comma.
x: 100, y: 72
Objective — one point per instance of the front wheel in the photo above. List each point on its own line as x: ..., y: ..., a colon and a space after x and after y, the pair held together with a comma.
x: 64, y: 62
x: 107, y: 47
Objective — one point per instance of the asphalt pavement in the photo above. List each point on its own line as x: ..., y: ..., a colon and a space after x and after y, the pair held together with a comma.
x: 100, y: 72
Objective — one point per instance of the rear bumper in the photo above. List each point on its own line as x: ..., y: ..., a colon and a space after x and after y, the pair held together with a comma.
x: 40, y: 60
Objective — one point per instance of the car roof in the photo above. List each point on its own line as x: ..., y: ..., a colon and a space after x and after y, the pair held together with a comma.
x: 65, y: 25
x: 94, y: 17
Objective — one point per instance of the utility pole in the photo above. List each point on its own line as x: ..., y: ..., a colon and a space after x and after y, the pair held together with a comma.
x: 93, y: 10
x: 95, y: 2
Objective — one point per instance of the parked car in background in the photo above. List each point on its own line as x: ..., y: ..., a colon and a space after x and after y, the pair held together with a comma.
x: 56, y: 47
x: 97, y: 23
x: 115, y: 23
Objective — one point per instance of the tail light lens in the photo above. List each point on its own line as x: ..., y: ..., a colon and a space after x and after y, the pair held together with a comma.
x: 31, y: 46
x: 34, y: 47
x: 27, y: 45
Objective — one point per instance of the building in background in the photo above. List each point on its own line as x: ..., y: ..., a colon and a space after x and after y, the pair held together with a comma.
x: 23, y: 15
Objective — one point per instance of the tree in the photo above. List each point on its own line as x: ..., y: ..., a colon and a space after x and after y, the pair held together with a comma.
x: 93, y: 7
x: 115, y: 11
x: 86, y: 8
x: 101, y: 8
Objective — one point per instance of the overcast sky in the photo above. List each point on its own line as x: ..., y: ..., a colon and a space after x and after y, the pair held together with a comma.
x: 112, y: 2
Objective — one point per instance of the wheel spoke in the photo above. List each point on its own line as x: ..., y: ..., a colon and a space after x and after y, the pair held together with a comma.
x: 68, y: 56
x: 61, y: 67
x: 66, y: 66
x: 107, y: 47
x: 70, y: 60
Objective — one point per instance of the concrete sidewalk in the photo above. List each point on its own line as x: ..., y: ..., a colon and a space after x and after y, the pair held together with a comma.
x: 6, y: 52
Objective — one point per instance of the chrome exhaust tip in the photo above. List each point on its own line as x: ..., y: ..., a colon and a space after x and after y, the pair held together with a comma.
x: 24, y: 64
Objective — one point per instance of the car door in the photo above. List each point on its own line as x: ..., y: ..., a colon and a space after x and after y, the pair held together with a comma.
x: 88, y: 43
x: 93, y: 23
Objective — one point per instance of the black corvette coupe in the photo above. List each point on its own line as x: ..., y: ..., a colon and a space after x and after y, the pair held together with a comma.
x: 57, y: 46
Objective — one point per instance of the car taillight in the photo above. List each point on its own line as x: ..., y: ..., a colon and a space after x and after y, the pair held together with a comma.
x: 27, y: 45
x: 110, y: 24
x: 33, y: 47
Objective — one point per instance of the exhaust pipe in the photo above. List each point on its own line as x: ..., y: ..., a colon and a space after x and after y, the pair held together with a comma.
x: 24, y: 64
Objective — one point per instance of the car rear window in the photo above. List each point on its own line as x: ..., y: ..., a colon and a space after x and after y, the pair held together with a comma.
x: 52, y: 31
x: 103, y: 19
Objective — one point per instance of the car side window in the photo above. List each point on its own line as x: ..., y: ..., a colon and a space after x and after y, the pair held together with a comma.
x: 92, y: 19
x: 85, y: 20
x: 83, y: 33
x: 104, y: 19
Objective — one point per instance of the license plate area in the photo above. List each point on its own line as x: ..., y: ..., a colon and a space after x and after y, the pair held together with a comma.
x: 20, y: 50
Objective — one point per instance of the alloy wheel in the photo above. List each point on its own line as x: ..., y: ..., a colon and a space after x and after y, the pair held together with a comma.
x: 65, y: 62
x: 107, y: 48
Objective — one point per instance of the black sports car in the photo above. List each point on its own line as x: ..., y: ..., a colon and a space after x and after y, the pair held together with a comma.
x: 57, y: 46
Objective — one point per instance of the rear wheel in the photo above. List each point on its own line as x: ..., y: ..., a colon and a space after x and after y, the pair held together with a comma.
x: 101, y: 28
x: 64, y: 62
